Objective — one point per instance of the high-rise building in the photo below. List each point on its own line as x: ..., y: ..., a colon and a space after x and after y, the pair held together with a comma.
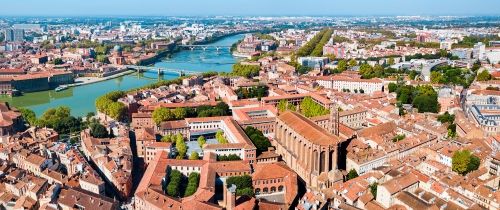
x: 479, y: 51
x: 14, y: 35
x: 9, y: 35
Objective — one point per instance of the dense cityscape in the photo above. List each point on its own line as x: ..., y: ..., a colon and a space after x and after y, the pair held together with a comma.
x: 250, y: 112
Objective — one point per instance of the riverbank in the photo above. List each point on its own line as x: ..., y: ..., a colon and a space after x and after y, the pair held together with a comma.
x: 90, y: 80
x: 81, y: 98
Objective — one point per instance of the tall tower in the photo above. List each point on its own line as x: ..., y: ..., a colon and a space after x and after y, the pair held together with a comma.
x: 334, y: 121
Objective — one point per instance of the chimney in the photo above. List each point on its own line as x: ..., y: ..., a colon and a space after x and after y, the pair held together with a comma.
x: 230, y: 197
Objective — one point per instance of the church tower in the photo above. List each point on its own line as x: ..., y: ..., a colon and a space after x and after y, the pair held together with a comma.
x: 333, y: 128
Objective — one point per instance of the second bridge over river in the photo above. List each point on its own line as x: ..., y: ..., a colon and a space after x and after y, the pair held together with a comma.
x: 161, y: 70
x: 205, y: 47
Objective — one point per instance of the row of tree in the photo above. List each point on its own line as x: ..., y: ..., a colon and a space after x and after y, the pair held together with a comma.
x: 231, y: 157
x: 174, y: 186
x: 252, y: 92
x: 179, y: 142
x: 310, y: 46
x: 109, y: 105
x: 310, y: 108
x: 165, y: 114
x: 318, y: 50
x: 258, y: 139
x: 247, y: 71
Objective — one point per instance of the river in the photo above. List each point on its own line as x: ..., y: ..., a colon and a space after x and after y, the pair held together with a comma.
x: 81, y: 98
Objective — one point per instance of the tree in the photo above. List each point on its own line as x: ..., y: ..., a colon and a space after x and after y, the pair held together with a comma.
x: 192, y: 186
x: 390, y: 61
x: 173, y: 187
x: 463, y: 162
x: 247, y: 71
x: 309, y: 108
x: 102, y: 58
x: 446, y: 118
x: 223, y: 108
x: 98, y: 131
x: 483, y: 76
x: 245, y: 192
x: 179, y: 113
x: 392, y: 87
x: 167, y: 138
x: 194, y: 156
x: 342, y: 65
x: 220, y: 137
x: 303, y: 69
x: 398, y: 137
x: 117, y: 111
x: 373, y: 189
x: 60, y: 120
x: 413, y: 74
x: 57, y: 61
x: 162, y: 114
x: 242, y: 183
x: 352, y: 63
x: 28, y: 115
x: 231, y: 157
x: 437, y: 77
x: 108, y: 104
x: 474, y: 163
x: 201, y: 141
x: 181, y: 146
x: 283, y: 105
x: 352, y: 174
x: 426, y: 104
x: 258, y: 139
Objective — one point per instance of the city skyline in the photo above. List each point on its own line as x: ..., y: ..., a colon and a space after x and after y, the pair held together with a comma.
x: 247, y: 8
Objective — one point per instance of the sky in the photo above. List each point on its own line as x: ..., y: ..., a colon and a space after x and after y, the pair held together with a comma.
x: 247, y: 7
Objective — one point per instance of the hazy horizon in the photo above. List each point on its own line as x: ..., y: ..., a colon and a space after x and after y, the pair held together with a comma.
x: 366, y: 8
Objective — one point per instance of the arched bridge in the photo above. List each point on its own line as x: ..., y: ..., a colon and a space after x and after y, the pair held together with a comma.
x: 162, y: 70
x: 426, y: 69
x: 205, y: 47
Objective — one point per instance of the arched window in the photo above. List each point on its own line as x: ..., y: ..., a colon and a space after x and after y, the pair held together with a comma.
x: 266, y: 190
x: 273, y: 189
x: 280, y: 188
x: 257, y: 191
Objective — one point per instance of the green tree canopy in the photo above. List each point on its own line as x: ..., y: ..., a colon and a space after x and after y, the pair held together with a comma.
x: 243, y: 184
x: 258, y: 139
x: 28, y: 115
x: 162, y: 114
x: 98, y: 131
x: 201, y: 141
x: 220, y: 137
x: 231, y: 157
x: 463, y: 162
x: 483, y: 76
x: 352, y: 174
x: 247, y: 71
x: 309, y: 108
x: 194, y: 156
x: 192, y: 186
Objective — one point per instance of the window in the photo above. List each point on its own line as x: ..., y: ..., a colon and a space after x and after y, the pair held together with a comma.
x: 280, y: 188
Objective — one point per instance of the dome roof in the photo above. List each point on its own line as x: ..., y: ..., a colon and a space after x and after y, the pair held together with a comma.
x: 117, y: 48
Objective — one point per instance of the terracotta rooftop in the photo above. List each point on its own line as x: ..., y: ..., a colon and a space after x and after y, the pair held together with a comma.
x: 309, y: 129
